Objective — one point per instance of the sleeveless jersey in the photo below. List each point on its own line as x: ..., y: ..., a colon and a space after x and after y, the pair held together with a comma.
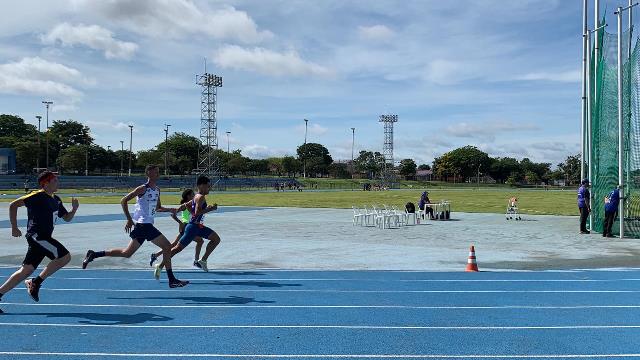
x: 185, y: 216
x: 200, y: 218
x: 146, y: 204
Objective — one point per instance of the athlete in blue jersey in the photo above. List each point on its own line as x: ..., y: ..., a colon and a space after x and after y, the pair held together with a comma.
x: 195, y: 228
x: 182, y: 218
x: 147, y: 204
x: 43, y: 210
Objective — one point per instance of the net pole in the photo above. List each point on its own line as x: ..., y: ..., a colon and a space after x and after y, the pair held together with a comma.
x: 589, y: 102
x: 584, y: 85
x: 596, y: 23
x: 620, y: 130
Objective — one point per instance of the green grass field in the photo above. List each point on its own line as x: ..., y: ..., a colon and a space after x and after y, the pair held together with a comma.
x: 537, y: 202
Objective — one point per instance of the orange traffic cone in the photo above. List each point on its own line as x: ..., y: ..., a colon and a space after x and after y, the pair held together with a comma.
x: 471, y: 263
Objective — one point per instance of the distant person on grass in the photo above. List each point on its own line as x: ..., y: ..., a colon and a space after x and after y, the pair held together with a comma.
x: 584, y: 205
x: 43, y: 209
x: 182, y: 219
x: 423, y: 204
x: 611, y: 202
x: 147, y: 203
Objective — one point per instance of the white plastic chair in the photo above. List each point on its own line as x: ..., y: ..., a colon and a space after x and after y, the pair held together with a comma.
x: 358, y: 216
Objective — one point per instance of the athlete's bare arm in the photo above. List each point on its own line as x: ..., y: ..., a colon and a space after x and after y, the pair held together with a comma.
x: 125, y: 205
x: 13, y: 216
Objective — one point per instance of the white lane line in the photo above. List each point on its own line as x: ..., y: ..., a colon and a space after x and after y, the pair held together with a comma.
x: 346, y: 279
x: 348, y: 327
x: 347, y: 356
x: 506, y: 307
x: 324, y: 356
x: 345, y: 291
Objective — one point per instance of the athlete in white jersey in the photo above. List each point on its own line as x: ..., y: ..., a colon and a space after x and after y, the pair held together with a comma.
x: 147, y: 204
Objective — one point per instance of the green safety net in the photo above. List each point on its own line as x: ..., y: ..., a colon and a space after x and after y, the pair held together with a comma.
x: 603, y: 88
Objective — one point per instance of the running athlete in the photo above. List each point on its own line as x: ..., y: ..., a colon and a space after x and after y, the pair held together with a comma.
x: 195, y: 227
x: 43, y: 209
x: 147, y: 203
x: 182, y: 220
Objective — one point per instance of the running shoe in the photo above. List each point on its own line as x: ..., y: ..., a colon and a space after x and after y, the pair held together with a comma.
x: 88, y: 258
x: 178, y: 283
x: 32, y: 289
x: 154, y: 257
x: 197, y: 264
x: 203, y: 265
x: 157, y: 271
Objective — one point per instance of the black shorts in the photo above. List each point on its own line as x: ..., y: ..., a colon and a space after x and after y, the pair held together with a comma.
x: 142, y: 232
x: 41, y: 246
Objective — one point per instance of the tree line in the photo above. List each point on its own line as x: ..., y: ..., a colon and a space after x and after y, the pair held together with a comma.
x: 72, y: 150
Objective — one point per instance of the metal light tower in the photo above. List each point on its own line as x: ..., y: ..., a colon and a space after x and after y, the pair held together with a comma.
x: 47, y: 103
x: 228, y: 133
x: 387, y: 151
x: 207, y: 161
x: 166, y: 137
x: 38, y: 159
x: 130, y: 147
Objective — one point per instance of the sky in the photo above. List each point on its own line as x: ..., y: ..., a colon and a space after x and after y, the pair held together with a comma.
x: 502, y: 75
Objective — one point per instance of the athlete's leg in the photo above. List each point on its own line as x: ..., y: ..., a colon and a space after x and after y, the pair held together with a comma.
x: 17, y: 277
x: 199, y: 243
x: 162, y: 242
x: 54, y: 266
x: 175, y: 248
x: 214, y: 240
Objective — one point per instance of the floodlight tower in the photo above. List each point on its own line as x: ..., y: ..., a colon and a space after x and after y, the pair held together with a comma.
x: 387, y: 151
x: 207, y: 161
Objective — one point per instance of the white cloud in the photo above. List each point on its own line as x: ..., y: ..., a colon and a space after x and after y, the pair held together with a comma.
x: 107, y: 125
x: 93, y: 36
x: 256, y: 151
x: 41, y: 77
x: 267, y: 62
x: 566, y: 76
x: 375, y: 33
x: 487, y: 130
x: 179, y: 19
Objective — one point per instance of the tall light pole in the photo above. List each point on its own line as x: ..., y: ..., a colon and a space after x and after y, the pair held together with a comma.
x: 228, y: 132
x: 38, y: 160
x: 86, y: 156
x: 353, y: 140
x: 47, y: 103
x: 166, y: 136
x: 130, y: 147
x: 121, y: 157
x: 108, y: 147
x: 304, y: 160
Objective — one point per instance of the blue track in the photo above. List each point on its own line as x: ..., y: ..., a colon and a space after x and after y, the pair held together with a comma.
x: 111, y: 314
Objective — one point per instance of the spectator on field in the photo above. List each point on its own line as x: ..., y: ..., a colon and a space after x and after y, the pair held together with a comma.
x: 611, y: 202
x: 423, y: 205
x: 584, y: 205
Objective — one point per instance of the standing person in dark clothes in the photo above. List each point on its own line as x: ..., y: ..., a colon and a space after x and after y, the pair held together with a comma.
x: 584, y: 205
x: 611, y: 202
x: 43, y: 208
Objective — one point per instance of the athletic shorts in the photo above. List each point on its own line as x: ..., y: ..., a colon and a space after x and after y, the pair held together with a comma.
x: 142, y: 232
x: 41, y: 246
x: 191, y: 231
